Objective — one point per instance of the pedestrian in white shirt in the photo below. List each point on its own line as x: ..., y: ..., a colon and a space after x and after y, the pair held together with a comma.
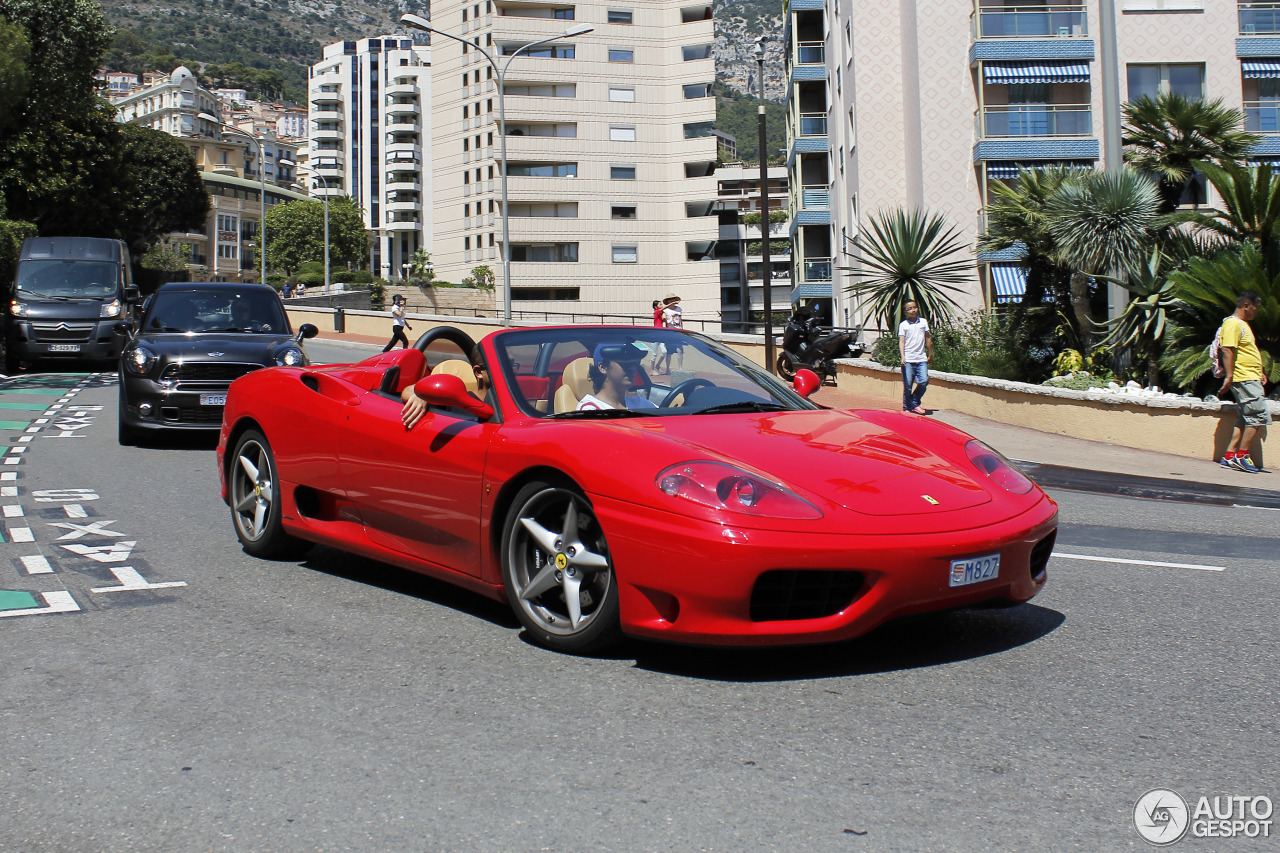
x: 915, y: 346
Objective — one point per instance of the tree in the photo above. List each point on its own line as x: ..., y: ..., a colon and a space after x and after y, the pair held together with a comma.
x: 160, y: 185
x: 421, y: 269
x: 295, y: 234
x: 483, y: 277
x: 14, y: 50
x: 1166, y: 137
x: 908, y: 258
x: 1141, y: 326
x: 1251, y: 208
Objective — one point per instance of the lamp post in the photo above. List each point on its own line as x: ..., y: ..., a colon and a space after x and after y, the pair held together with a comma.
x: 420, y: 23
x: 767, y: 276
x: 262, y: 178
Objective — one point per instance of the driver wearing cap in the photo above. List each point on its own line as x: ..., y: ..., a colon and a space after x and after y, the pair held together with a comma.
x: 613, y: 371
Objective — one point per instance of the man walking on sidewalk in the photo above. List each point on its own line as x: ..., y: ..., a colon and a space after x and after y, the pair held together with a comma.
x: 1242, y: 362
x: 915, y: 346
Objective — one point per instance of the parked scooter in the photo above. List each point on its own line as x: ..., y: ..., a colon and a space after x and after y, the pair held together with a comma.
x: 805, y: 345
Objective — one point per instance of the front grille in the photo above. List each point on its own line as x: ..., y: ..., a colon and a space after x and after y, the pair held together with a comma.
x: 57, y: 333
x: 192, y: 414
x: 802, y: 594
x: 207, y: 371
x: 1040, y: 554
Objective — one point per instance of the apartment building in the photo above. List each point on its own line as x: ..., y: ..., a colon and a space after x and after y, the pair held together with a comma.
x: 370, y: 114
x: 610, y: 150
x: 225, y: 250
x: 918, y: 104
x: 741, y: 238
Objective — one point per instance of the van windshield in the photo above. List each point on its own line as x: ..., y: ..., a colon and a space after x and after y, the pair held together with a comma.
x: 68, y: 279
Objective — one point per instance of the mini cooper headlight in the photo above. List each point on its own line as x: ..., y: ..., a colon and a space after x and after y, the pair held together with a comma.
x: 996, y: 468
x: 18, y: 309
x: 110, y: 309
x: 290, y: 357
x: 727, y: 487
x: 139, y: 360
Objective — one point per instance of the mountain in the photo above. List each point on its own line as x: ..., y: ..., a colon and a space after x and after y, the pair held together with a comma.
x: 738, y: 24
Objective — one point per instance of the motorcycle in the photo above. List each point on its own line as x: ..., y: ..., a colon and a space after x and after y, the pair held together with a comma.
x: 805, y: 345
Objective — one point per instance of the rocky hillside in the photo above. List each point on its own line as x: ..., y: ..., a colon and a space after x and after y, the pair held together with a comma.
x: 738, y: 24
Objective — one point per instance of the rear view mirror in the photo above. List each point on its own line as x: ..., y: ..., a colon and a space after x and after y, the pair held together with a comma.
x: 307, y: 330
x: 806, y: 382
x: 131, y: 294
x: 447, y: 390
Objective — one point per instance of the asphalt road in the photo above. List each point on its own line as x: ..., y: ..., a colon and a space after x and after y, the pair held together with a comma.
x: 340, y: 704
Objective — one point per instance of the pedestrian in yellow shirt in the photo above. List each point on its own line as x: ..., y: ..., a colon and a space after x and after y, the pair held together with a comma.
x: 1242, y: 362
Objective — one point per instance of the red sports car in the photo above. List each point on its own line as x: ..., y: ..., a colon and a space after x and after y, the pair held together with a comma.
x: 612, y: 481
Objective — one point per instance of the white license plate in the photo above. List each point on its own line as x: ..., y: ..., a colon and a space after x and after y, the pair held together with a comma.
x: 975, y: 570
x: 213, y: 399
x: 64, y: 348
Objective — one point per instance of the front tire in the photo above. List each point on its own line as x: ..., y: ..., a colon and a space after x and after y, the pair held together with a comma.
x: 786, y: 366
x: 127, y: 435
x: 556, y: 568
x: 254, y: 488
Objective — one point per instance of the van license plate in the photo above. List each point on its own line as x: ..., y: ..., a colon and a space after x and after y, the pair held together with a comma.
x: 213, y: 399
x: 975, y: 570
x: 64, y: 348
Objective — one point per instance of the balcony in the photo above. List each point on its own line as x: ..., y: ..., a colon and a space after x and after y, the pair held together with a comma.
x: 403, y: 222
x: 326, y: 95
x: 403, y: 184
x: 815, y: 197
x: 326, y: 113
x: 811, y: 53
x: 398, y: 108
x: 1034, y: 120
x: 327, y: 133
x: 1259, y: 19
x: 817, y: 269
x: 1262, y: 116
x: 401, y: 89
x: 1031, y: 21
x: 813, y: 124
x: 327, y: 164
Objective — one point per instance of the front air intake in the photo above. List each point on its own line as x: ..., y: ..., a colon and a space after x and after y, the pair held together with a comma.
x: 1040, y: 555
x: 786, y: 594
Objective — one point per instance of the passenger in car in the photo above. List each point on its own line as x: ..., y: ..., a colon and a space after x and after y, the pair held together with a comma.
x: 613, y: 371
x: 415, y: 407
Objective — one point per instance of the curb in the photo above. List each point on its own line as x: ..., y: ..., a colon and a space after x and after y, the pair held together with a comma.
x: 1150, y: 488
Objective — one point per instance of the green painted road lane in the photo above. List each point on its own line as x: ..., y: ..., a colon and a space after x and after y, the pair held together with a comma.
x: 30, y: 407
x: 12, y: 599
x: 14, y: 424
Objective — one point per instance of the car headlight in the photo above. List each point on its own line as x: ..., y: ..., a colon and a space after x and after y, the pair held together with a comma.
x: 719, y: 486
x: 290, y: 357
x: 997, y: 469
x: 139, y: 360
x: 110, y: 309
x: 18, y: 309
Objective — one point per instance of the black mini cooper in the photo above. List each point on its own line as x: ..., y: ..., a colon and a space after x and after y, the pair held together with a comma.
x: 194, y: 339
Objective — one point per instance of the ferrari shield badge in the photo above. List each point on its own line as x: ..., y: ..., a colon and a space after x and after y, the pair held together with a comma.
x: 930, y: 499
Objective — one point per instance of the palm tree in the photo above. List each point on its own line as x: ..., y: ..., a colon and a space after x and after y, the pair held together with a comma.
x: 908, y: 258
x: 1100, y: 223
x: 1206, y: 291
x: 1142, y: 324
x: 1168, y: 136
x: 1251, y: 208
x: 1016, y: 218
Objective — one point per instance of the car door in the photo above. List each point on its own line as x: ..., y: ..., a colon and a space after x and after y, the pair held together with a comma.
x: 418, y: 491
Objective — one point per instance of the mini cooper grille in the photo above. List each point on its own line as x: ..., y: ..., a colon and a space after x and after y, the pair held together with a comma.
x: 207, y: 371
x: 1040, y: 554
x: 62, y: 332
x: 795, y: 594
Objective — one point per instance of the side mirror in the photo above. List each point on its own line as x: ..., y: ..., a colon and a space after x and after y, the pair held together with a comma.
x: 122, y: 328
x: 447, y: 390
x: 132, y: 294
x: 307, y: 330
x: 806, y: 382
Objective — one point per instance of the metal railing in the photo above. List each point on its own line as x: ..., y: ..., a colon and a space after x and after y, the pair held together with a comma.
x: 1023, y: 120
x: 817, y: 269
x: 565, y: 318
x: 1262, y: 116
x: 811, y: 53
x: 815, y: 197
x: 813, y: 124
x: 1259, y: 18
x: 1030, y: 21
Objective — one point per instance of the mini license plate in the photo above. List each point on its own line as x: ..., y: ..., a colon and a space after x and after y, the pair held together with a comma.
x: 975, y: 570
x: 64, y: 348
x: 213, y: 399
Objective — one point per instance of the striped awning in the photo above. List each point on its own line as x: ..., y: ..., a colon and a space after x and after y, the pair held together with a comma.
x: 1009, y: 281
x: 1259, y: 69
x: 1004, y: 171
x: 1021, y: 72
x: 1273, y: 162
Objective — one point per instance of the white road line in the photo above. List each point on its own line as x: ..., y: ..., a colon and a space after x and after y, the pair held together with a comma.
x: 41, y: 420
x: 1250, y: 506
x: 131, y: 580
x: 75, y: 511
x: 21, y: 534
x: 12, y: 460
x: 58, y: 601
x: 9, y: 475
x: 1095, y: 559
x: 36, y: 565
x: 12, y: 510
x: 24, y: 438
x: 16, y: 450
x: 32, y: 429
x: 8, y: 491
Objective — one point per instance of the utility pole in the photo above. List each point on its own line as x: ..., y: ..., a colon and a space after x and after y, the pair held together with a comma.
x: 767, y: 274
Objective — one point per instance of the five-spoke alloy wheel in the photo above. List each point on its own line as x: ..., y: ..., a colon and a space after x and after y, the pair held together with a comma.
x: 255, y: 500
x: 556, y: 568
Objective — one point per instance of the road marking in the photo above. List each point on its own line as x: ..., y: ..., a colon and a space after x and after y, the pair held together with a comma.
x: 41, y: 420
x: 75, y: 511
x: 21, y: 534
x: 8, y: 491
x: 131, y: 580
x: 12, y: 510
x: 1251, y: 506
x: 32, y: 429
x: 93, y: 528
x: 12, y: 460
x: 116, y: 552
x: 17, y: 450
x: 36, y: 565
x: 24, y: 438
x: 58, y: 601
x: 1157, y: 564
x: 9, y: 475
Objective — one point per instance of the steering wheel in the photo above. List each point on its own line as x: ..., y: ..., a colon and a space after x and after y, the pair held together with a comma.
x: 683, y: 389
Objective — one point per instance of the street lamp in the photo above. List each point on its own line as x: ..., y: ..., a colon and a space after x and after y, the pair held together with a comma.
x: 767, y: 278
x: 262, y: 176
x: 420, y: 23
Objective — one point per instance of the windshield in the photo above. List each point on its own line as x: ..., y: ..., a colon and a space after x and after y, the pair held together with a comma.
x: 223, y: 310
x: 606, y: 372
x: 54, y: 279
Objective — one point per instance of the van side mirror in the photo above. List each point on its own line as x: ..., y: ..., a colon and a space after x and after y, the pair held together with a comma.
x: 131, y: 293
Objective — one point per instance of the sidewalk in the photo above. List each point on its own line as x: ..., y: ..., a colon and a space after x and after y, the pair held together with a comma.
x: 1029, y: 445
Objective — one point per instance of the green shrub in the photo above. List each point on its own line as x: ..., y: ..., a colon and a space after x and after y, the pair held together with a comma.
x: 362, y: 277
x: 312, y: 267
x: 886, y: 351
x: 1080, y: 380
x: 276, y: 280
x: 12, y: 233
x: 342, y: 276
x: 377, y: 293
x: 310, y: 279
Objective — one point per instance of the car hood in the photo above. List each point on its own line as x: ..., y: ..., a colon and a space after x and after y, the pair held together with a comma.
x: 202, y: 347
x: 844, y: 457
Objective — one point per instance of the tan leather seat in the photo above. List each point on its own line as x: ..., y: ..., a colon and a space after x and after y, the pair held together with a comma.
x: 461, y: 369
x: 577, y: 384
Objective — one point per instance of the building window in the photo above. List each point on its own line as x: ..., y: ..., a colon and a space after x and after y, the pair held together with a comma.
x: 622, y: 173
x: 621, y: 54
x: 545, y: 252
x: 545, y: 294
x: 624, y: 254
x: 622, y: 94
x: 623, y: 211
x: 556, y: 51
x: 622, y: 134
x: 558, y: 210
x: 543, y: 90
x: 543, y: 170
x: 563, y: 14
x: 619, y: 16
x: 697, y: 90
x: 696, y: 51
x: 1156, y: 80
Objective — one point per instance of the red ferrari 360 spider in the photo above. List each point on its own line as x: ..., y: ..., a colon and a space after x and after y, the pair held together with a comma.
x: 709, y: 503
